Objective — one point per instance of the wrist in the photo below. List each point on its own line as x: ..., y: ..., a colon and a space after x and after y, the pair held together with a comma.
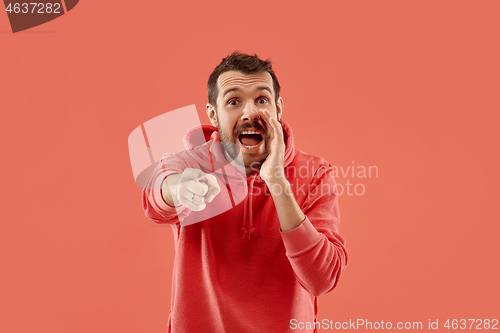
x: 168, y: 190
x: 279, y: 186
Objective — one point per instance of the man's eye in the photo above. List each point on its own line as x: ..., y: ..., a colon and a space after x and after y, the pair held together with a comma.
x: 263, y: 100
x: 232, y: 102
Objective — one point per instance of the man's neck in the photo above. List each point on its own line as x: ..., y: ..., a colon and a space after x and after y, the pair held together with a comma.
x: 249, y: 170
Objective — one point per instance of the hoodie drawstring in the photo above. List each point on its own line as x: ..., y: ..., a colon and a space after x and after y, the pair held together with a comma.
x: 248, y: 208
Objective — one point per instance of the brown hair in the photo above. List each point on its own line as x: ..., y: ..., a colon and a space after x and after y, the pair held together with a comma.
x: 244, y: 63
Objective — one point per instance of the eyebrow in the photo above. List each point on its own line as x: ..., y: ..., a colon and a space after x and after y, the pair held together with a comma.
x: 237, y: 89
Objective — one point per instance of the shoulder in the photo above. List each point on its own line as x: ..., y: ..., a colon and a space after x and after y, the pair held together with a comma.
x: 307, y: 165
x: 303, y: 158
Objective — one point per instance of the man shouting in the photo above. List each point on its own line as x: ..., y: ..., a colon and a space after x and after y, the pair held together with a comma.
x: 259, y: 264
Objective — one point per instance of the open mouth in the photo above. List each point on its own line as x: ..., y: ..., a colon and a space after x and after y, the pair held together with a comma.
x: 250, y: 139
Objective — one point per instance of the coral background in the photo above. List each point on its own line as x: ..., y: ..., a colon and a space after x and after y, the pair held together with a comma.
x: 411, y: 87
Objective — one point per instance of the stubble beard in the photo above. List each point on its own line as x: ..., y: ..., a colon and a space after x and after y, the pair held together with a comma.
x: 231, y: 149
x: 233, y: 152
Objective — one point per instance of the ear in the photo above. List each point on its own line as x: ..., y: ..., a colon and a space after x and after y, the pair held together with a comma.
x: 279, y: 107
x: 211, y: 113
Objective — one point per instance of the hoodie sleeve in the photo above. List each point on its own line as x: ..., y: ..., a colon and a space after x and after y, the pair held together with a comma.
x: 315, y: 249
x: 153, y: 203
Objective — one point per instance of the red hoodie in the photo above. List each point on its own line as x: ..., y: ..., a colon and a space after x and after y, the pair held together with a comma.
x: 234, y: 270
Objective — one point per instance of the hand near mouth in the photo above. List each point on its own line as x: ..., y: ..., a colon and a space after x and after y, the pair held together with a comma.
x: 272, y: 170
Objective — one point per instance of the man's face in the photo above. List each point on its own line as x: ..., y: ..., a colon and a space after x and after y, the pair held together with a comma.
x: 241, y: 127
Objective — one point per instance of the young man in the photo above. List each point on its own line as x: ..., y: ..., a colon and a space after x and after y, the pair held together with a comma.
x: 259, y: 265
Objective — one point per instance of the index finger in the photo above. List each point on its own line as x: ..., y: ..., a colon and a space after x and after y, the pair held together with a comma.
x: 278, y: 129
x: 212, y: 183
x: 275, y: 126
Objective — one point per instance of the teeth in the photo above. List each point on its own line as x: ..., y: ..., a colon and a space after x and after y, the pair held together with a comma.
x: 251, y: 146
x: 250, y: 132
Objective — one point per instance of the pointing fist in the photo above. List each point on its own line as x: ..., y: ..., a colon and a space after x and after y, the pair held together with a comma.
x: 192, y: 188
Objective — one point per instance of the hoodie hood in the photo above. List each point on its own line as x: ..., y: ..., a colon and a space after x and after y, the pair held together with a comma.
x: 203, y: 144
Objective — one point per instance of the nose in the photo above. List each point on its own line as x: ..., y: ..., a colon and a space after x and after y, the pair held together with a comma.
x: 250, y: 112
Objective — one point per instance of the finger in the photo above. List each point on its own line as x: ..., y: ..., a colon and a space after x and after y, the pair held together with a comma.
x: 265, y: 117
x: 193, y: 174
x: 211, y: 194
x: 193, y: 198
x: 213, y: 189
x: 201, y: 184
x: 265, y: 114
x: 212, y: 183
x: 278, y: 129
x: 197, y: 204
x: 272, y: 124
x: 197, y: 188
x: 191, y: 191
x: 197, y: 200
